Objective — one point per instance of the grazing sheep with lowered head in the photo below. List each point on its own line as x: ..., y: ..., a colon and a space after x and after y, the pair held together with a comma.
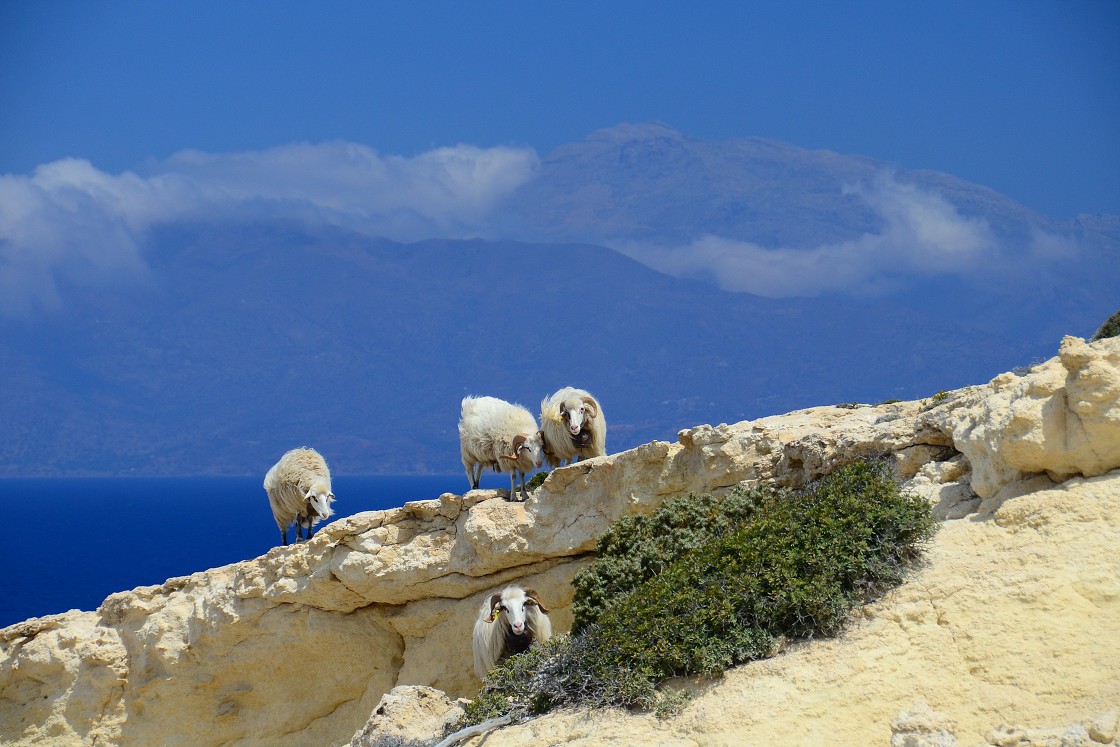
x: 508, y: 623
x: 299, y: 491
x: 494, y: 433
x: 573, y: 425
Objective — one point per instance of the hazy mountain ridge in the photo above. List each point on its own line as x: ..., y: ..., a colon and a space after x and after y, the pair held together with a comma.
x: 650, y: 181
x: 248, y: 340
x: 930, y: 241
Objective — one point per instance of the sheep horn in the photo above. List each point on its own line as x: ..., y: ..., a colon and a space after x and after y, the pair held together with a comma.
x: 590, y: 403
x: 532, y: 595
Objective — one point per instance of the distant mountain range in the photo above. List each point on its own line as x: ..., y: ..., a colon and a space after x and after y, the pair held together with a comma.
x: 638, y: 187
x: 652, y: 182
x: 247, y: 338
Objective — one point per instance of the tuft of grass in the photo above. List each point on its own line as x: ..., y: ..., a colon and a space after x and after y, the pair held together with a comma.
x: 671, y: 703
x: 935, y: 400
x: 1110, y: 328
x: 705, y: 583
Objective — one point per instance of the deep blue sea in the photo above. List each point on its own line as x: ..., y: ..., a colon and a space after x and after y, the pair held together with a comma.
x: 71, y: 542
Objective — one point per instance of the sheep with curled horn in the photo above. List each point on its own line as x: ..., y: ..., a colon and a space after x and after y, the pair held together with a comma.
x: 500, y: 435
x: 508, y: 623
x: 573, y: 425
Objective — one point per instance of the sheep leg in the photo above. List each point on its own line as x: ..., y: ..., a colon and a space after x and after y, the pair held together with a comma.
x: 284, y: 535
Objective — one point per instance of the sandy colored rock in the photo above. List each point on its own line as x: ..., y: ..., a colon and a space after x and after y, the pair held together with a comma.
x: 921, y: 726
x: 1014, y: 620
x: 1103, y: 728
x: 1062, y: 419
x: 408, y: 716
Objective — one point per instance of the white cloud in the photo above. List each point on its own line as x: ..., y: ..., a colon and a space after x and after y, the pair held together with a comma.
x: 447, y: 189
x: 70, y: 220
x: 922, y: 235
x: 64, y: 221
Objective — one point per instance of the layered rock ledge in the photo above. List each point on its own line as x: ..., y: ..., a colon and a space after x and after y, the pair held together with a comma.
x: 1014, y: 623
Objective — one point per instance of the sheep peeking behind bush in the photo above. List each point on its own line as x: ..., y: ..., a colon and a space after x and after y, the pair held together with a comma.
x: 508, y: 623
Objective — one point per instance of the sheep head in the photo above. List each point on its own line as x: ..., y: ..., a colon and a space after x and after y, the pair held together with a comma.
x: 528, y: 450
x: 515, y: 603
x: 576, y: 411
x: 319, y: 498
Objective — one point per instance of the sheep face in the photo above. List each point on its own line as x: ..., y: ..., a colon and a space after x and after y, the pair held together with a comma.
x: 528, y: 451
x: 514, y: 604
x: 576, y: 411
x: 319, y: 499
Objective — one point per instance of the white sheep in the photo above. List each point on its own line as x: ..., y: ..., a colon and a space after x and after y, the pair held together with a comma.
x: 573, y: 425
x: 508, y: 623
x: 500, y: 435
x: 299, y: 491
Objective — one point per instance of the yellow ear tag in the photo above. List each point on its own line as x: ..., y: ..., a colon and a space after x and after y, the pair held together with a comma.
x: 494, y: 614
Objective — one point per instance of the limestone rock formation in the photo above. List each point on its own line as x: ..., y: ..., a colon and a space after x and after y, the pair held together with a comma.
x: 407, y: 716
x: 1014, y: 620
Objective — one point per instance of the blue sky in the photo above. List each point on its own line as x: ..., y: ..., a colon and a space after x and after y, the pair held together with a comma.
x: 1023, y: 97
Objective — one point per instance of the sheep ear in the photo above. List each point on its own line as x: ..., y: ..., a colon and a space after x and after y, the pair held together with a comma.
x: 591, y: 403
x: 532, y: 595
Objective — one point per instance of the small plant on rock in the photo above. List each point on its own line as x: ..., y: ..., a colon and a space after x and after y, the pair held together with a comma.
x: 1110, y: 328
x: 537, y: 481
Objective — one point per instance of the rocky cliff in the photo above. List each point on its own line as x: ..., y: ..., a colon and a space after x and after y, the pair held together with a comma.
x: 1010, y: 633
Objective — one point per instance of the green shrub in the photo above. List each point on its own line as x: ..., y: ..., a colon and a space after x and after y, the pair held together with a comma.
x: 1110, y: 328
x: 640, y: 547
x: 705, y: 583
x: 537, y: 480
